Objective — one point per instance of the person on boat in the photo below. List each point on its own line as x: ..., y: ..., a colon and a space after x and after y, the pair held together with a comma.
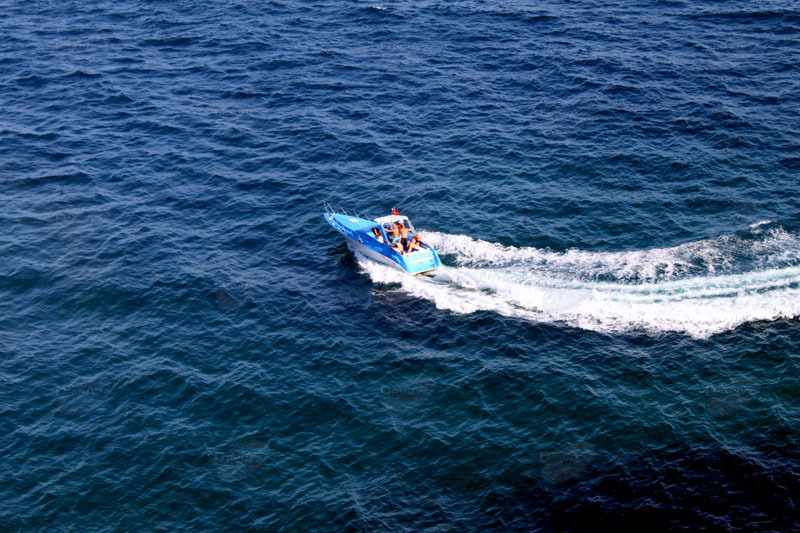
x: 403, y: 231
x: 378, y: 235
x: 416, y: 244
x: 394, y: 233
x: 394, y: 238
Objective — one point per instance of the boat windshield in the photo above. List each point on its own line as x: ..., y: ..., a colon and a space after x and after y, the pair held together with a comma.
x: 403, y: 221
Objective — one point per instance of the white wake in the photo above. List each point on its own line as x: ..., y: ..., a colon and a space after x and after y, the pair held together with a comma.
x: 700, y: 288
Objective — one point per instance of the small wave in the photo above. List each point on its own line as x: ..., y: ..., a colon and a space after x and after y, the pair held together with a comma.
x: 760, y: 223
x: 747, y: 16
x: 176, y: 41
x: 545, y: 286
x: 82, y: 74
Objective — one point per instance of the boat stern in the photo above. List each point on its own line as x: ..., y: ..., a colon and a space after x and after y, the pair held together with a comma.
x: 420, y: 261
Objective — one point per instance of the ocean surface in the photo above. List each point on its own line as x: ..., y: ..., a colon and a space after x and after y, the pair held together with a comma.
x: 186, y: 345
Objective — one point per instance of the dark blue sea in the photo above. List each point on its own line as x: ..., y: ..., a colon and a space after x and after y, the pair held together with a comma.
x: 612, y: 344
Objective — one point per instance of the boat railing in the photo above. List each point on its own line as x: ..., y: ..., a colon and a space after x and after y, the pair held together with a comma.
x: 329, y: 210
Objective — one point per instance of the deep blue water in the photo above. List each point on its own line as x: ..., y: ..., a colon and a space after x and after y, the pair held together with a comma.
x: 613, y: 342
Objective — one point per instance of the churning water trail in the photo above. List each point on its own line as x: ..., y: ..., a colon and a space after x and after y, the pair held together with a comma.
x: 700, y: 288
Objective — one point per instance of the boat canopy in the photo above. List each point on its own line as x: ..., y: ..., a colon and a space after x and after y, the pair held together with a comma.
x: 391, y: 219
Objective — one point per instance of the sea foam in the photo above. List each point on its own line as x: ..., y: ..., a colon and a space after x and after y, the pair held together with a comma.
x: 699, y: 288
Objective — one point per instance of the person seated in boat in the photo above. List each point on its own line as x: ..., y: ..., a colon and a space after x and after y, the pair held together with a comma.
x: 394, y: 237
x: 377, y: 234
x: 393, y: 232
x: 415, y: 244
x: 403, y: 231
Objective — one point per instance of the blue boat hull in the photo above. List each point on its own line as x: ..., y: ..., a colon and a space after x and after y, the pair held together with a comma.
x: 358, y: 234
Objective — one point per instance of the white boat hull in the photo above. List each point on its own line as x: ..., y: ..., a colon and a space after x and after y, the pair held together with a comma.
x: 370, y: 253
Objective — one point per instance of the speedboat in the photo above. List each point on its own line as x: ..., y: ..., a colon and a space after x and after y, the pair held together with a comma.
x: 372, y: 239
